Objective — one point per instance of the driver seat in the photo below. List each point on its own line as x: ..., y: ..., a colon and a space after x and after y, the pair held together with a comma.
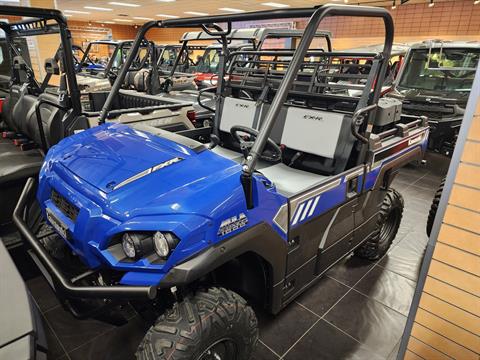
x: 236, y: 112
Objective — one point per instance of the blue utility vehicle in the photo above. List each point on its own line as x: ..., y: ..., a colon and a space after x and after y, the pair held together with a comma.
x: 296, y: 176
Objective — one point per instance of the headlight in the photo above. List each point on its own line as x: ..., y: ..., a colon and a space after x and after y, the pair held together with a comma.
x: 137, y: 245
x: 163, y: 243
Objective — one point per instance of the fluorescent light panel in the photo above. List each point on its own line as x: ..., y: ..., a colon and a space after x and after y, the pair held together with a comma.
x: 76, y: 12
x: 97, y: 8
x: 123, y: 4
x: 123, y: 20
x: 168, y: 16
x: 275, y: 5
x: 141, y: 18
x: 196, y: 13
x: 227, y: 9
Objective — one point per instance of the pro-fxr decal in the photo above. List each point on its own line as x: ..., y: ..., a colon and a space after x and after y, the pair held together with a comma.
x: 232, y: 224
x: 305, y: 210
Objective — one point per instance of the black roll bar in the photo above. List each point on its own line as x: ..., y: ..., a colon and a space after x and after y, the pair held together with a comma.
x: 308, y: 35
x: 65, y: 285
x: 22, y: 29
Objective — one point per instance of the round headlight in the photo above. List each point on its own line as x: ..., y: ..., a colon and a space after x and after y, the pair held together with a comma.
x: 137, y: 244
x: 128, y: 246
x: 160, y: 244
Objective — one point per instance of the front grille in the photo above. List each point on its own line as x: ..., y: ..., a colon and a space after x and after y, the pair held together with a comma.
x: 64, y: 205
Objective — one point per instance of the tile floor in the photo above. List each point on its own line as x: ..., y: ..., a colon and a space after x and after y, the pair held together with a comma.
x: 357, y: 311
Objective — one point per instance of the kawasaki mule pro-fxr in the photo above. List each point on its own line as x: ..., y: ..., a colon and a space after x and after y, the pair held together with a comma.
x: 290, y: 184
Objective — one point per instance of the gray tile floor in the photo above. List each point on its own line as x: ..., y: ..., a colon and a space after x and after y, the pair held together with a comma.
x: 357, y: 311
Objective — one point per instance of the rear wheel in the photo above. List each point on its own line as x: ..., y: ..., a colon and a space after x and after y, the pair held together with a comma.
x: 388, y: 222
x: 216, y: 324
x: 434, y: 207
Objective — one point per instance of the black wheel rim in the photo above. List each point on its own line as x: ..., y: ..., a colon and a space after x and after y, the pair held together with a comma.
x: 390, y: 225
x: 224, y: 349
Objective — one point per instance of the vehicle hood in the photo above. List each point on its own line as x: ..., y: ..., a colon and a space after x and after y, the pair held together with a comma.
x: 134, y: 164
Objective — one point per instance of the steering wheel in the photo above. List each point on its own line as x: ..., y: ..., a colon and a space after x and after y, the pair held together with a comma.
x: 271, y: 153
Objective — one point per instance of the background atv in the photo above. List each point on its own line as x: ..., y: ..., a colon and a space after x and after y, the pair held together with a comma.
x: 188, y: 233
x: 435, y: 81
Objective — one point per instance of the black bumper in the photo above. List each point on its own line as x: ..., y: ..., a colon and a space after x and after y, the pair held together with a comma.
x: 54, y: 275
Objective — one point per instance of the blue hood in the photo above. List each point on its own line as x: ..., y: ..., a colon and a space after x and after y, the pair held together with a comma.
x: 108, y: 155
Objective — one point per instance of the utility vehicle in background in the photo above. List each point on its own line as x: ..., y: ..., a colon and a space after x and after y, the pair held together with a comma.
x: 216, y: 60
x: 295, y: 177
x: 435, y: 81
x: 394, y: 64
x: 98, y: 67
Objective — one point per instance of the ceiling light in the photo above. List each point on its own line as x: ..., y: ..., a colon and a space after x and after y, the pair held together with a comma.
x: 67, y: 15
x: 142, y: 18
x: 394, y: 5
x: 97, y: 8
x: 167, y: 16
x: 431, y: 3
x: 106, y: 22
x: 166, y: 0
x: 123, y: 20
x: 276, y: 5
x: 76, y: 12
x: 196, y: 13
x: 123, y: 4
x: 345, y: 1
x: 227, y: 9
x: 476, y: 2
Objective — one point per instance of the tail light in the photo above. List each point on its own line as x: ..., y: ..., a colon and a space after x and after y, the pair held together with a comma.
x: 192, y: 116
x: 1, y: 105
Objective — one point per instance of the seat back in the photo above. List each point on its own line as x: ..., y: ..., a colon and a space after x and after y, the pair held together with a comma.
x: 239, y: 112
x: 15, y: 93
x: 51, y: 120
x: 22, y: 110
x: 141, y: 79
x: 25, y: 118
x: 324, y: 134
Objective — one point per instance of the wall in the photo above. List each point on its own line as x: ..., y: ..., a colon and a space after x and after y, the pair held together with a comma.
x: 451, y: 20
x: 446, y: 307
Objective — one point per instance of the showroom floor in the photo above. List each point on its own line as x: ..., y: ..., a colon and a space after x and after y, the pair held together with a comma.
x: 357, y: 311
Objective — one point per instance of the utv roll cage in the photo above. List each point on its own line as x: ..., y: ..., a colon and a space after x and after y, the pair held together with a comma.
x: 366, y: 104
x: 120, y: 48
x: 252, y: 37
x: 46, y: 22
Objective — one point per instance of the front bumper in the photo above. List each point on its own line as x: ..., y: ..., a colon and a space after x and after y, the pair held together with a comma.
x: 52, y: 272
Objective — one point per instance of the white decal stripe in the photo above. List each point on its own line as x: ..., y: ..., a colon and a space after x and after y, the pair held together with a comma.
x: 314, y: 206
x: 305, y: 212
x: 297, y: 214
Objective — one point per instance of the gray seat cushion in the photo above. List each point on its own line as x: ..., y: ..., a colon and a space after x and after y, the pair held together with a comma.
x: 290, y: 181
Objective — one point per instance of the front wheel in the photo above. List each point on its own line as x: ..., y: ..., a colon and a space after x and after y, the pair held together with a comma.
x: 388, y: 222
x: 215, y: 324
